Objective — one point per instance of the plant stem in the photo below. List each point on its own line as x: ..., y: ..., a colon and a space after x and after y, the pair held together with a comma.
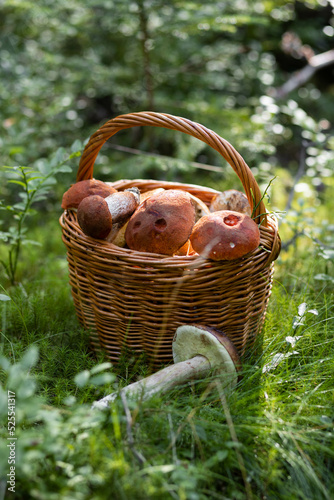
x: 16, y: 249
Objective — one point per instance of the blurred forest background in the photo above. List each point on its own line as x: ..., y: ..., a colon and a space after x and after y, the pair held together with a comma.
x: 66, y: 67
x: 259, y: 73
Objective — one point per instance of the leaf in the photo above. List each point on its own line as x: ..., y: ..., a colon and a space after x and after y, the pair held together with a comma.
x: 26, y: 389
x: 31, y: 242
x: 81, y: 379
x: 4, y: 298
x: 327, y: 254
x: 23, y: 196
x: 218, y: 457
x: 58, y: 157
x: 100, y: 368
x: 4, y: 236
x: 4, y: 363
x: 30, y: 357
x: 74, y: 155
x: 70, y: 400
x: 302, y: 309
x: 313, y: 311
x: 76, y: 146
x: 324, y: 277
x: 20, y: 183
x: 326, y: 420
x: 36, y: 177
x: 64, y: 168
x: 102, y: 379
x: 19, y: 206
x: 16, y: 150
x: 233, y: 444
x: 43, y: 167
x: 50, y: 181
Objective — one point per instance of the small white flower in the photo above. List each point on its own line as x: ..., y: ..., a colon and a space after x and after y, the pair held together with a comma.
x: 293, y: 340
x: 276, y: 360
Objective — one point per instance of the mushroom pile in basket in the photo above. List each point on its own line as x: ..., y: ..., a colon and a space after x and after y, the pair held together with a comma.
x: 167, y: 222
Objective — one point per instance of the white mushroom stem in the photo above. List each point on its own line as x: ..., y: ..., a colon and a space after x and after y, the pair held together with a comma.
x: 162, y: 381
x: 121, y: 206
x: 196, y: 351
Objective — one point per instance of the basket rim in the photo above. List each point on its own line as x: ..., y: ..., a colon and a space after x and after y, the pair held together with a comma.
x: 124, y: 182
x: 155, y: 258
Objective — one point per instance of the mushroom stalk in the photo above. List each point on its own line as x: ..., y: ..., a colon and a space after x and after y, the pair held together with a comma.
x: 196, y: 351
x: 162, y: 381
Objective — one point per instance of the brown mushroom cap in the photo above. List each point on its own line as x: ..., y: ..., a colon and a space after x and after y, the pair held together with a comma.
x: 80, y: 190
x: 231, y: 200
x: 225, y: 235
x: 162, y: 223
x: 94, y: 217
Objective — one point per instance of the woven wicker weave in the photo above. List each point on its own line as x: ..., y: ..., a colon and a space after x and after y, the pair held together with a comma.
x: 137, y: 300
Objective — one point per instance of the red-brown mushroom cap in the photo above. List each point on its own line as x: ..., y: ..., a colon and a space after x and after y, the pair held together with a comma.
x: 162, y: 223
x: 80, y: 190
x: 225, y: 235
x: 94, y: 217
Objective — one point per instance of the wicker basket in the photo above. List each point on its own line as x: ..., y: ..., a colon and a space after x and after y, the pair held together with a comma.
x: 137, y: 300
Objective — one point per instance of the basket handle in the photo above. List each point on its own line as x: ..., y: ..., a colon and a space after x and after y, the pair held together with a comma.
x: 146, y: 118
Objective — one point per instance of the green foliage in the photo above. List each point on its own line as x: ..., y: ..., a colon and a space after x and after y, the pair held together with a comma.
x: 33, y: 187
x: 186, y: 444
x: 67, y: 66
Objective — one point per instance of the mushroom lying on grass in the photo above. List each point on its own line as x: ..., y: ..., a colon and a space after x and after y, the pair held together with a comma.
x: 197, y: 350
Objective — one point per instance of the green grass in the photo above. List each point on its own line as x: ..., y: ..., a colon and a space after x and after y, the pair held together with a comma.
x: 272, y: 438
